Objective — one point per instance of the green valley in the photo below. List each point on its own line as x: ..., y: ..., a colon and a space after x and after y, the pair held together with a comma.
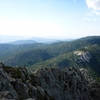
x: 83, y: 52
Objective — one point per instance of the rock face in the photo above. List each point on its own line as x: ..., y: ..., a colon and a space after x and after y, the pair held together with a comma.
x: 6, y: 89
x: 68, y: 84
x: 47, y: 84
x: 83, y: 56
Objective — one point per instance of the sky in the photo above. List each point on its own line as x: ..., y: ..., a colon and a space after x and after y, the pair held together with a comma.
x: 50, y: 18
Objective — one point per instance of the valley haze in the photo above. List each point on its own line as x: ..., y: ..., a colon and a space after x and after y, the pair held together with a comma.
x: 12, y: 39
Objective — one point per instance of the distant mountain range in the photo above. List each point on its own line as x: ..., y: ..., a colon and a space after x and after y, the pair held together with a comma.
x: 26, y: 40
x: 46, y: 41
x: 83, y: 52
x: 22, y: 42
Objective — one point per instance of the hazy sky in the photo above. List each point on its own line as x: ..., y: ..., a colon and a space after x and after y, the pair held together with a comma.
x: 50, y: 18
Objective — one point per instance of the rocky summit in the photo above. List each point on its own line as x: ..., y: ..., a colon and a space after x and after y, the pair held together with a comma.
x: 47, y: 84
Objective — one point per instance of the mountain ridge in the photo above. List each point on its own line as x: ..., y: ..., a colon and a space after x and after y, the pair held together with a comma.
x: 60, y: 54
x: 20, y: 42
x: 56, y: 49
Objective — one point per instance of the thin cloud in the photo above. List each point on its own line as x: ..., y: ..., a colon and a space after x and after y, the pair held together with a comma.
x: 96, y: 12
x: 86, y: 19
x: 89, y: 14
x: 94, y: 19
x: 94, y: 4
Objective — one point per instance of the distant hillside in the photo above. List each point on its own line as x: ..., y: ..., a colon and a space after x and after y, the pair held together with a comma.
x: 43, y: 40
x: 28, y: 58
x: 22, y: 42
x: 87, y: 57
x: 9, y: 50
x: 51, y: 51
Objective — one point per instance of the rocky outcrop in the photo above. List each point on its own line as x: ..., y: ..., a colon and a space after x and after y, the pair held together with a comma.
x: 68, y: 84
x: 6, y: 89
x: 47, y: 84
x: 83, y: 56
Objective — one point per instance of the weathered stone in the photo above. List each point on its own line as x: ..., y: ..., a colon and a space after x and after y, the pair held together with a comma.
x: 29, y: 99
x: 1, y: 66
x: 83, y: 56
x: 33, y: 92
x: 5, y: 86
x: 21, y: 89
x: 49, y: 84
x: 66, y: 84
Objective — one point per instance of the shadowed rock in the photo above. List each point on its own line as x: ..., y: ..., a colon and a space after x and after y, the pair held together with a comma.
x: 47, y: 84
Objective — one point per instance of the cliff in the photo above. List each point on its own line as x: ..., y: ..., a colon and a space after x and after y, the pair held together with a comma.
x: 47, y: 84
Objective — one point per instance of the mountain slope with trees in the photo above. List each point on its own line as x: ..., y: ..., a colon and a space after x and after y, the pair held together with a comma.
x: 53, y: 50
x: 60, y: 54
x: 10, y: 50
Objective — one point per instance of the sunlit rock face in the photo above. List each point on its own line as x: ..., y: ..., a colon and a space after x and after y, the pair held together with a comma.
x: 47, y: 84
x: 83, y: 56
